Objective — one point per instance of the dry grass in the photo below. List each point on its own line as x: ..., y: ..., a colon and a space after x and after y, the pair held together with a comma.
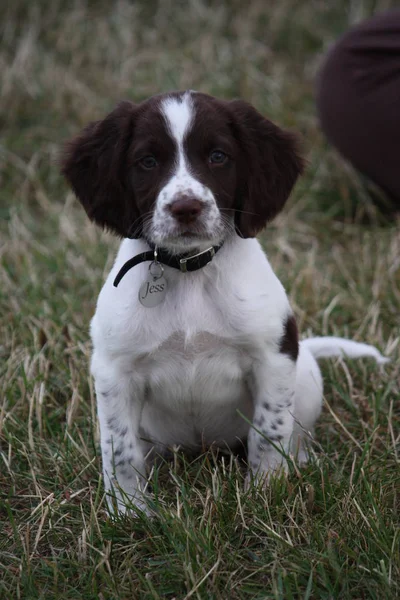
x: 329, y: 531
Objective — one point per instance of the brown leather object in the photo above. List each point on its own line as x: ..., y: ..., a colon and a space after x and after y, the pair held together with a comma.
x: 358, y: 99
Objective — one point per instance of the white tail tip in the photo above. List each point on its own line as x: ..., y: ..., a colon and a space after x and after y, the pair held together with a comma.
x: 329, y: 346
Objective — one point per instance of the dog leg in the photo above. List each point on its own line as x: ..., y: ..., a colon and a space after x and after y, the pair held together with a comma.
x: 273, y: 393
x: 308, y: 403
x: 119, y: 401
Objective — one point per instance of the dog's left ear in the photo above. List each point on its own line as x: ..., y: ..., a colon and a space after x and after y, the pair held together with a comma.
x: 272, y: 164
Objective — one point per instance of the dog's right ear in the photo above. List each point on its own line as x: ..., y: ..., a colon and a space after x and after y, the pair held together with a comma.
x: 95, y: 165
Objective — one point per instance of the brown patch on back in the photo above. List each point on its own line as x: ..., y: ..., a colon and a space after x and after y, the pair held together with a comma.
x: 290, y: 340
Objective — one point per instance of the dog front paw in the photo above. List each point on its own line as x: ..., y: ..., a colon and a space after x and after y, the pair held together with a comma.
x: 121, y: 503
x: 260, y: 475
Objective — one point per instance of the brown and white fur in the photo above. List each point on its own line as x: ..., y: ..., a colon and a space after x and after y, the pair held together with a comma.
x: 185, y: 171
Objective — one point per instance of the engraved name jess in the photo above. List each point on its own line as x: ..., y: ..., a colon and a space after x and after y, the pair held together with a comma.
x: 151, y: 288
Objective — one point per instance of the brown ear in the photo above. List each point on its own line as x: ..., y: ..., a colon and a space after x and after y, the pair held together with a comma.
x: 271, y: 166
x: 94, y: 163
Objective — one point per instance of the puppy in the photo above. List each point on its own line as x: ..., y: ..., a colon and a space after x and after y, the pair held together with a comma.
x: 193, y: 336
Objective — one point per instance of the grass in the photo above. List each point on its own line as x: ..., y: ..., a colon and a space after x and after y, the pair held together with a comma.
x: 330, y: 530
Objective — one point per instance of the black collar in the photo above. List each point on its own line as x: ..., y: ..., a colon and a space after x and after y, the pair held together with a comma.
x: 183, y: 262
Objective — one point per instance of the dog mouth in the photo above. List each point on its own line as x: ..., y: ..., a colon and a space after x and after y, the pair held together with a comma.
x: 187, y: 234
x: 191, y: 234
x: 188, y: 241
x: 188, y: 237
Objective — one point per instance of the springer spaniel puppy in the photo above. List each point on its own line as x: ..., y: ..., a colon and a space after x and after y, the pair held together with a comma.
x: 194, y: 336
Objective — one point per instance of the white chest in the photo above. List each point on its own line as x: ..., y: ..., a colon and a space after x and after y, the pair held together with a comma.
x: 185, y: 368
x: 196, y: 386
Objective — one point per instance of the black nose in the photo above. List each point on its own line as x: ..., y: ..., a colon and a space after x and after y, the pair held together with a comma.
x: 186, y: 210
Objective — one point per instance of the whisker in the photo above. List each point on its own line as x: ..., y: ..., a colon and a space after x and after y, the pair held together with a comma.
x: 145, y: 218
x: 245, y: 212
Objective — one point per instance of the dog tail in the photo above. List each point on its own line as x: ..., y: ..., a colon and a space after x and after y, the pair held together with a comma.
x: 325, y: 347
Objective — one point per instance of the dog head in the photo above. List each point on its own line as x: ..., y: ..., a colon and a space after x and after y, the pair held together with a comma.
x: 182, y: 170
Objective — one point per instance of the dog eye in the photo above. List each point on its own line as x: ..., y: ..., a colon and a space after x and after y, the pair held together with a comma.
x: 148, y: 162
x: 217, y: 157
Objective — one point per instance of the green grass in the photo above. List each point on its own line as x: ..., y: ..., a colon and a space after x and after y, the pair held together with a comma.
x: 330, y: 530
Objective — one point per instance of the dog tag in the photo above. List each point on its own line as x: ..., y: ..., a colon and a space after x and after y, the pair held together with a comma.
x: 154, y: 289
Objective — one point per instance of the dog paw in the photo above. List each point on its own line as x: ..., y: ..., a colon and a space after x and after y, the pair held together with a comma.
x: 131, y: 506
x: 262, y: 476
